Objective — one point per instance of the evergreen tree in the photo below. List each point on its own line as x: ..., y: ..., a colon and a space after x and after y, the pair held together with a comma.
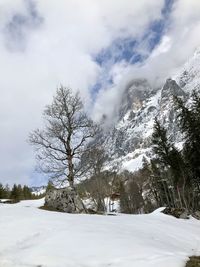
x: 50, y: 186
x: 7, y: 191
x: 189, y: 122
x: 16, y: 193
x: 27, y: 192
x: 1, y: 191
x: 161, y: 146
x: 172, y: 165
x: 4, y: 191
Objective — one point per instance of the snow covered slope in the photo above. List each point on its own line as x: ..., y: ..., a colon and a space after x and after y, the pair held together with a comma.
x: 130, y: 139
x: 188, y: 77
x: 31, y: 237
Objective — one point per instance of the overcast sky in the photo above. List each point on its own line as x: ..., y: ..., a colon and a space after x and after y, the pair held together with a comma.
x: 95, y: 46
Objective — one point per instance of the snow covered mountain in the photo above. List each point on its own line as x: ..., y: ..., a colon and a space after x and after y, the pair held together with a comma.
x: 130, y: 139
x: 38, y: 190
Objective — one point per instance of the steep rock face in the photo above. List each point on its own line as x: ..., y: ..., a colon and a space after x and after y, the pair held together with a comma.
x: 136, y: 113
x: 130, y: 139
x: 167, y: 112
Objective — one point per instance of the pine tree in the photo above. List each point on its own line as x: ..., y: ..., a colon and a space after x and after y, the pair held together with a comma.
x: 4, y: 191
x: 7, y: 191
x: 50, y: 186
x: 27, y: 192
x: 172, y: 165
x: 1, y: 191
x: 16, y: 193
x: 161, y: 147
x: 189, y: 122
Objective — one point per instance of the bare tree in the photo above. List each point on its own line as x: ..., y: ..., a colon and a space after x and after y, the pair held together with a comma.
x: 62, y: 142
x: 95, y: 159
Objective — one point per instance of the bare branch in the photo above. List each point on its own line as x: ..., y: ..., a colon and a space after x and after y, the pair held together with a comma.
x: 62, y: 142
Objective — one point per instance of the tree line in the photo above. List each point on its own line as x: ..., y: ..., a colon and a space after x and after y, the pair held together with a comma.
x: 175, y: 172
x: 17, y: 192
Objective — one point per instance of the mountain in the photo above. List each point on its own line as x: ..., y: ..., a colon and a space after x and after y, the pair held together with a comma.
x: 38, y: 190
x: 130, y: 139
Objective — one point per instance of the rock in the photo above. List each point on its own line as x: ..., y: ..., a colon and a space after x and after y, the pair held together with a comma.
x: 184, y: 215
x: 196, y: 215
x: 65, y: 200
x: 181, y: 213
x: 177, y: 213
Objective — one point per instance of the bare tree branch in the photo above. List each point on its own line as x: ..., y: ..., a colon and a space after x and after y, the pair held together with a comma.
x: 63, y: 141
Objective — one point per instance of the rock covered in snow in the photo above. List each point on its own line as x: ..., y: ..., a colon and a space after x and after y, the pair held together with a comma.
x: 65, y: 200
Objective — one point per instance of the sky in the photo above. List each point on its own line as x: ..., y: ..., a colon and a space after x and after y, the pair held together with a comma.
x: 94, y: 46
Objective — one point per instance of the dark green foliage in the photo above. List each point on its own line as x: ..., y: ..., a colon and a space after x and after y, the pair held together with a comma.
x: 4, y: 191
x: 166, y: 153
x: 189, y: 122
x: 161, y: 145
x: 176, y: 174
x: 17, y: 193
x: 193, y: 262
x: 159, y: 184
x: 171, y: 178
x: 50, y: 186
x: 27, y: 192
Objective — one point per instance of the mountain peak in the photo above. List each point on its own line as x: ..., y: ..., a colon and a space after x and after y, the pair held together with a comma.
x: 171, y: 88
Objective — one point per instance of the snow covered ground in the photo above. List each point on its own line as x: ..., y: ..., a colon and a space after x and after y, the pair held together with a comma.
x: 30, y: 237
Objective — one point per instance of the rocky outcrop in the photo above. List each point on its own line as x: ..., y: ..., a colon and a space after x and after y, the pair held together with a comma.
x: 181, y: 213
x: 65, y: 200
x: 167, y: 113
x: 138, y: 108
x: 177, y: 213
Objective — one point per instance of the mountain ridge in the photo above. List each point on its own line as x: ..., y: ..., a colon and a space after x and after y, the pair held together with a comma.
x: 130, y: 139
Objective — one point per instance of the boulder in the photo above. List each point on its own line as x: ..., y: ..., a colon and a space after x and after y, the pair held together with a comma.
x: 196, y: 215
x: 177, y: 212
x: 182, y: 213
x: 65, y: 200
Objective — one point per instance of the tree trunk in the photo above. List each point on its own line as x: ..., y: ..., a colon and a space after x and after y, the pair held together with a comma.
x: 71, y: 172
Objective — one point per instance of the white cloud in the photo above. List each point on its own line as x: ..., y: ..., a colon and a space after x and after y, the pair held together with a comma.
x: 163, y: 47
x: 180, y: 39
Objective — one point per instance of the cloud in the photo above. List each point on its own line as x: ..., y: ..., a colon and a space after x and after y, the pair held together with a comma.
x: 179, y: 41
x: 46, y: 43
x: 20, y: 25
x: 173, y: 45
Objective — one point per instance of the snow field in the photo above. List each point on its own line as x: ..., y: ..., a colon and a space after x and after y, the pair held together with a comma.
x: 30, y: 237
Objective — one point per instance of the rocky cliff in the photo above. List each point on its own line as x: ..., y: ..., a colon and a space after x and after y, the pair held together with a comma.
x: 130, y: 139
